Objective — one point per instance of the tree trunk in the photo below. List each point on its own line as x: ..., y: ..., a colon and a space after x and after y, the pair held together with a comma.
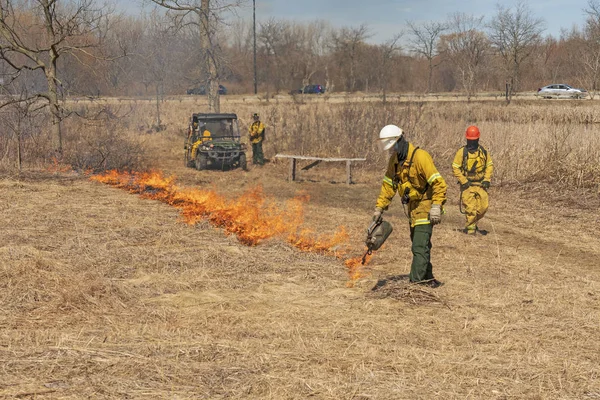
x: 328, y: 82
x: 21, y: 114
x: 19, y: 157
x: 210, y: 61
x: 430, y: 76
x: 158, y: 121
x: 214, y: 100
x: 352, y: 79
x: 54, y: 106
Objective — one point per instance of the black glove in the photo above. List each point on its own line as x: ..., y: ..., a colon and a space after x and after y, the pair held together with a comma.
x: 485, y: 185
x: 465, y: 186
x: 405, y: 196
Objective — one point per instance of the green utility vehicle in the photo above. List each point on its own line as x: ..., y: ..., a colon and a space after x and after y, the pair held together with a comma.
x: 213, y: 142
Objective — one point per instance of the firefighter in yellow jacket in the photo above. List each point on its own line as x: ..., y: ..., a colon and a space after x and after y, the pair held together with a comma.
x: 201, y: 139
x: 412, y: 173
x: 473, y: 167
x: 257, y: 135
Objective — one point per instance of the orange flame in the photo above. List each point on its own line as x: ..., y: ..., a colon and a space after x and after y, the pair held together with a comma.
x: 356, y: 268
x: 253, y: 217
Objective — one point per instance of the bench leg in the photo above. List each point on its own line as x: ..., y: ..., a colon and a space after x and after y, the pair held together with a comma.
x: 292, y: 176
x: 348, y: 172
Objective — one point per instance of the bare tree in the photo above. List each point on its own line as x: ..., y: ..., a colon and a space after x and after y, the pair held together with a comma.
x: 33, y: 37
x: 273, y: 49
x: 424, y: 42
x: 548, y: 59
x: 465, y: 47
x: 589, y: 54
x: 125, y: 37
x: 515, y: 34
x: 19, y: 119
x: 240, y: 52
x: 292, y: 53
x: 315, y: 45
x: 158, y: 56
x: 387, y: 52
x: 205, y: 14
x: 347, y: 43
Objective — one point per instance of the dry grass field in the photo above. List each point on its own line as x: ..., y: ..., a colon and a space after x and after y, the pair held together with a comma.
x: 108, y: 294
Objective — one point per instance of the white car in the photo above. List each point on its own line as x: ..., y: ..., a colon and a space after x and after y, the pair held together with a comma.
x: 561, y: 91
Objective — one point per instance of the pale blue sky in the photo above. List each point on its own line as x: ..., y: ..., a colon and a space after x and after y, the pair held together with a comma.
x: 385, y: 18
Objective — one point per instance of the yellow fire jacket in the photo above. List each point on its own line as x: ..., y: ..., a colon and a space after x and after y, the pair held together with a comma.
x: 476, y: 167
x: 205, y: 138
x: 257, y: 131
x: 419, y: 179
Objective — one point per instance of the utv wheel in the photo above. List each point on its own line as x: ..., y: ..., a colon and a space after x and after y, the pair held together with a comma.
x: 243, y: 162
x: 201, y: 161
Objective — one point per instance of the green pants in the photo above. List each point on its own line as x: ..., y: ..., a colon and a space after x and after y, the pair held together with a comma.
x: 421, y: 268
x: 257, y: 153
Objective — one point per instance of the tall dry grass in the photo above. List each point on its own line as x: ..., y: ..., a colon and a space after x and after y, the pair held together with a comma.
x: 530, y: 141
x: 553, y: 142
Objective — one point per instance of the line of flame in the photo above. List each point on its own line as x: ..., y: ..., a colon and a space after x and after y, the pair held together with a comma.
x: 253, y: 217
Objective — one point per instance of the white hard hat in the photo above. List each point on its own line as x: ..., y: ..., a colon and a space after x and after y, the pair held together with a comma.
x: 388, y: 136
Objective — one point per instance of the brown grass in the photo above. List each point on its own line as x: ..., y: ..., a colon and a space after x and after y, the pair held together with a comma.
x: 532, y: 141
x: 107, y: 295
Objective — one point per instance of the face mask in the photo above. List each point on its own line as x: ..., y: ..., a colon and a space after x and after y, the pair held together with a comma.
x: 401, y: 148
x: 472, y: 145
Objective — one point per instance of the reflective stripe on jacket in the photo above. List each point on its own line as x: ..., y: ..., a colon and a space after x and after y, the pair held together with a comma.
x: 422, y: 181
x: 479, y: 166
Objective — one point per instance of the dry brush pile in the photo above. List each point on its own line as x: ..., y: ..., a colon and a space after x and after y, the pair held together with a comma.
x: 95, y: 138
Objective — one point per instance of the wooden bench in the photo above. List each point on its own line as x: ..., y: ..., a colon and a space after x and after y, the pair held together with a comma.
x: 316, y: 161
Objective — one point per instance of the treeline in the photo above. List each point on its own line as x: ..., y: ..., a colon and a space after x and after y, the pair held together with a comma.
x: 159, y: 53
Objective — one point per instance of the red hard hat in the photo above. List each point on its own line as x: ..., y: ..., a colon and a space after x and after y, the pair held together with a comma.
x: 472, y: 132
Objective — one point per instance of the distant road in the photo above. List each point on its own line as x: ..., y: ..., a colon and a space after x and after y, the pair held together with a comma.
x: 337, y: 97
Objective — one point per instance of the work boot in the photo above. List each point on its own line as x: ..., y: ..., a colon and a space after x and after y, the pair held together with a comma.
x: 432, y: 283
